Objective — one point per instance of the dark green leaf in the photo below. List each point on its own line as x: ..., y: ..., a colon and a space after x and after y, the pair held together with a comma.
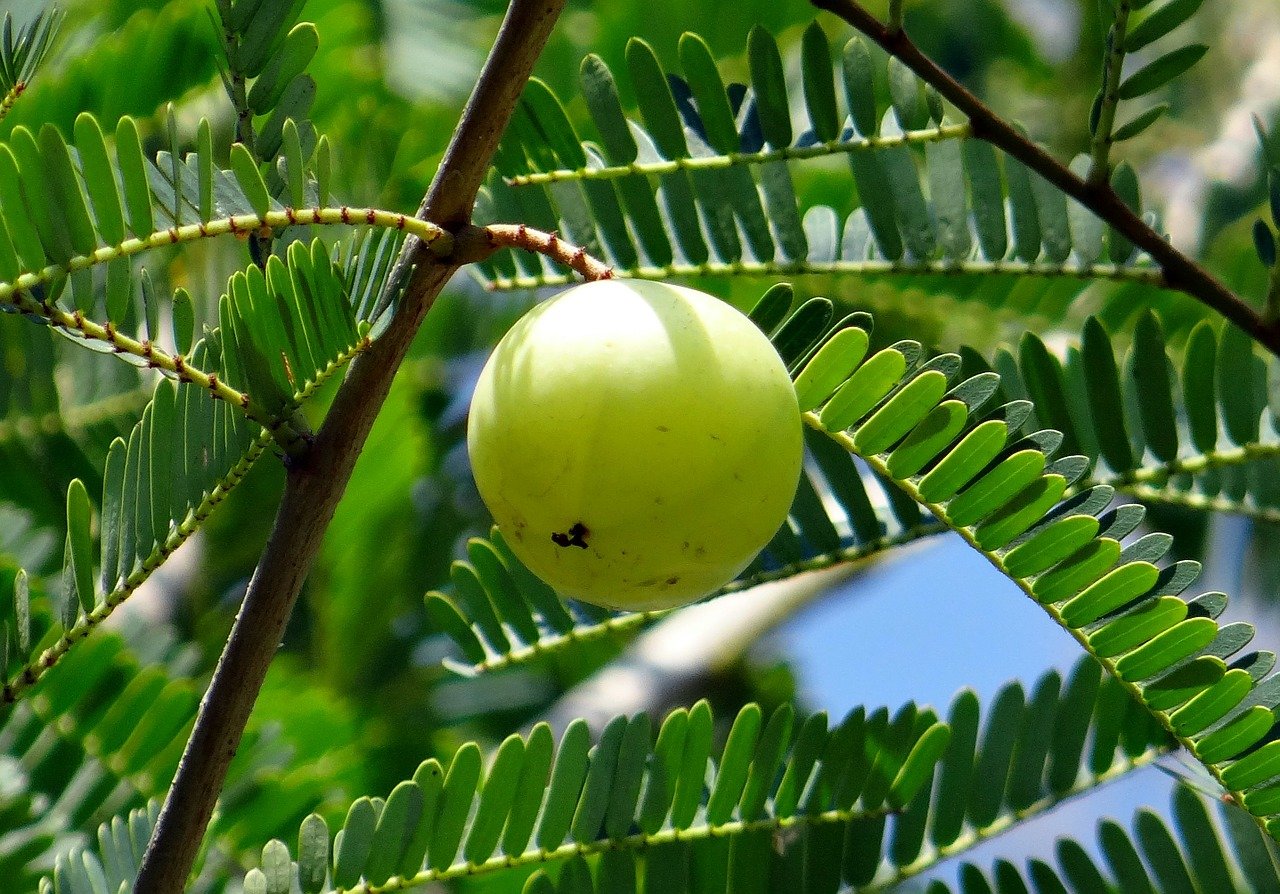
x: 1156, y: 74
x: 819, y: 86
x: 1138, y: 123
x: 1159, y: 22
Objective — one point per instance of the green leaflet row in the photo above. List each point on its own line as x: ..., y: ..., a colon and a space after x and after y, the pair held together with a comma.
x: 267, y: 52
x: 63, y: 423
x: 102, y: 734
x: 961, y: 445
x: 1060, y: 739
x: 1016, y: 759
x: 61, y: 201
x: 284, y: 331
x: 536, y: 799
x: 700, y: 180
x: 1072, y: 552
x: 1194, y: 852
x: 1200, y: 431
x: 1130, y: 32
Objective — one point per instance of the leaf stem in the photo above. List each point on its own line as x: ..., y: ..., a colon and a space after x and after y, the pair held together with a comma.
x: 737, y: 159
x: 1203, y: 502
x: 1188, y: 465
x: 240, y: 225
x: 1180, y: 271
x: 316, y: 481
x: 10, y: 98
x: 572, y: 256
x: 1100, y: 162
x: 906, y: 267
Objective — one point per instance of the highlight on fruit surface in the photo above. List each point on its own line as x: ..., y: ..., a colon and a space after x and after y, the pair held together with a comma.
x: 637, y: 443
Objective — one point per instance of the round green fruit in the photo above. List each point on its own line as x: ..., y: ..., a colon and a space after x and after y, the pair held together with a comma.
x: 637, y: 443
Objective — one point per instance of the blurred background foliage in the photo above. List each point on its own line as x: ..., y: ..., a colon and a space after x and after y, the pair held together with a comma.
x: 357, y: 694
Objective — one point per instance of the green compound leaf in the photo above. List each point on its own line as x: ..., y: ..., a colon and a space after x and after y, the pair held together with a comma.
x: 164, y: 477
x: 594, y: 797
x: 1002, y: 493
x: 703, y: 177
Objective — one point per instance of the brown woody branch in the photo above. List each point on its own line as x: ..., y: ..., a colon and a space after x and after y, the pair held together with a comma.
x: 316, y: 480
x: 1179, y: 271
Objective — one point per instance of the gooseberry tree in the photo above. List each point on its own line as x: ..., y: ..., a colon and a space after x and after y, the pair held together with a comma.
x: 224, y: 210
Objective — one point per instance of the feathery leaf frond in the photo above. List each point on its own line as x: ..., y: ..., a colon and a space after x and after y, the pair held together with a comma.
x: 1127, y: 34
x: 262, y: 43
x: 626, y: 794
x: 284, y: 332
x: 1196, y: 429
x: 1056, y: 744
x: 70, y: 209
x: 1004, y: 494
x: 116, y: 728
x: 1194, y: 852
x: 704, y: 187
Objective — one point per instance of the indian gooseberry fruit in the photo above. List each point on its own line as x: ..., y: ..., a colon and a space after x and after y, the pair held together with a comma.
x: 637, y: 443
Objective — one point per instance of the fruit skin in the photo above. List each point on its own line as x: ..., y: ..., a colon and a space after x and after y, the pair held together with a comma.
x: 637, y: 443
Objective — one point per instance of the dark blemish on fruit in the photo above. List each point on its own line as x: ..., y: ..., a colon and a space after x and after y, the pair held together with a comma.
x: 672, y: 581
x: 575, y: 536
x: 663, y: 428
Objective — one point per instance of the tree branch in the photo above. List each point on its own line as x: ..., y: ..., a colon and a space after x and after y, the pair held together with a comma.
x: 316, y: 481
x: 1180, y: 272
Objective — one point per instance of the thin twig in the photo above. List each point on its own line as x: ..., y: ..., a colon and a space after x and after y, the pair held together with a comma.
x: 1180, y: 272
x: 1100, y: 150
x: 868, y: 268
x: 236, y: 84
x: 315, y: 482
x: 572, y: 256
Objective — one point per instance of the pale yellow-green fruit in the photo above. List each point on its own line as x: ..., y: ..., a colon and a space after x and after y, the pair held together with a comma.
x: 637, y: 443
